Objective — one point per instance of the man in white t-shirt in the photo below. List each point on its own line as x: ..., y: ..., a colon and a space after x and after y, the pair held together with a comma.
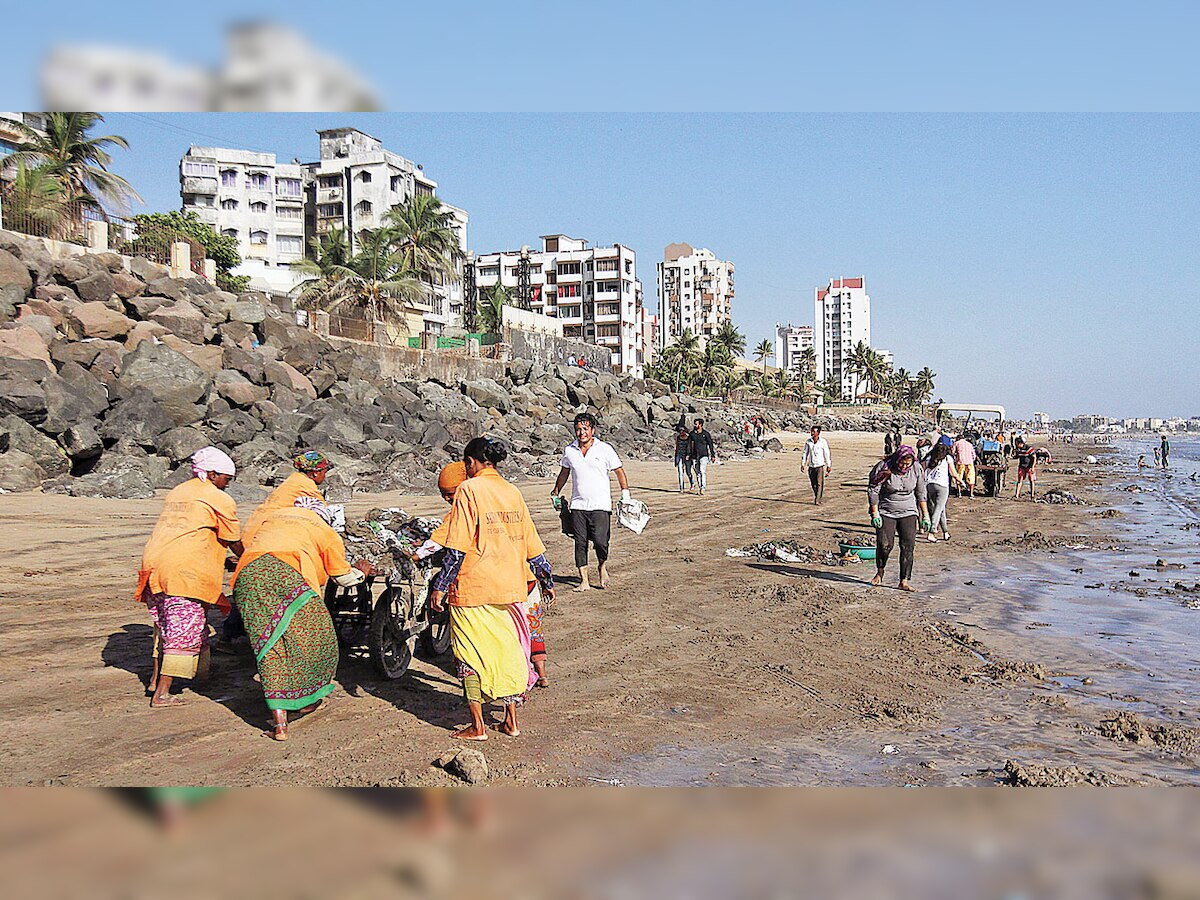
x: 588, y: 462
x: 818, y: 462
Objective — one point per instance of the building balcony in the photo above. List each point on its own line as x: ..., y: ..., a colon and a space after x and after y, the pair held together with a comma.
x: 195, y: 185
x: 258, y: 251
x: 289, y: 200
x: 329, y: 195
x: 570, y: 277
x: 206, y: 214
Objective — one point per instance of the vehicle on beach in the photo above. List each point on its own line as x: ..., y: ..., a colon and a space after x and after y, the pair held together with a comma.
x: 991, y: 462
x: 385, y: 617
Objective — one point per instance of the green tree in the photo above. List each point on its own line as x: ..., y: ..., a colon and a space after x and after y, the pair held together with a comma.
x: 35, y: 202
x: 79, y: 160
x: 424, y: 237
x: 732, y: 341
x: 763, y: 352
x: 492, y: 301
x: 924, y: 385
x: 156, y: 229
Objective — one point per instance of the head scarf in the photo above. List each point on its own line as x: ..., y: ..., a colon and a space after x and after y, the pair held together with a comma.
x: 316, y: 506
x: 312, y: 462
x: 452, y: 476
x: 211, y: 460
x: 892, y: 464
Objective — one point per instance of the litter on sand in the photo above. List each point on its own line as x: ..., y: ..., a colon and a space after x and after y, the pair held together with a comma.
x: 633, y: 514
x: 785, y: 551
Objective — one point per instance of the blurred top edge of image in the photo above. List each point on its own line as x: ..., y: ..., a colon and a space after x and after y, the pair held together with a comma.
x: 266, y: 66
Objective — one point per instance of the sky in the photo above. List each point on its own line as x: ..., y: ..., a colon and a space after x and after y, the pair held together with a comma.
x: 1015, y: 182
x: 1044, y: 262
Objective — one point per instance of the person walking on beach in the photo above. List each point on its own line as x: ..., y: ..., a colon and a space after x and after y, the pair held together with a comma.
x: 491, y: 545
x: 588, y: 462
x: 892, y: 440
x: 703, y: 450
x: 1027, y: 460
x: 963, y: 452
x: 896, y: 495
x: 183, y: 568
x: 683, y: 459
x: 1165, y: 451
x: 818, y: 462
x: 937, y: 489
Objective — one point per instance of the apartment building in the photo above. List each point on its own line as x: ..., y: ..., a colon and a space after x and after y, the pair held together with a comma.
x: 790, y: 343
x: 254, y: 199
x: 12, y: 136
x: 594, y: 290
x: 841, y: 318
x: 695, y: 293
x: 353, y: 185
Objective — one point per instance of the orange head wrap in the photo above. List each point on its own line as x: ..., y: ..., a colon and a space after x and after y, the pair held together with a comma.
x: 452, y: 476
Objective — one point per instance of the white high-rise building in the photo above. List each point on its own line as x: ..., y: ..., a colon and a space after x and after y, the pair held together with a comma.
x: 842, y: 318
x: 790, y: 343
x: 353, y: 186
x: 594, y: 290
x: 695, y: 293
x: 254, y: 199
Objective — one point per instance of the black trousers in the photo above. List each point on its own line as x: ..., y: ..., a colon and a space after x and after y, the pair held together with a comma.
x: 885, y: 539
x: 816, y: 477
x: 590, y: 525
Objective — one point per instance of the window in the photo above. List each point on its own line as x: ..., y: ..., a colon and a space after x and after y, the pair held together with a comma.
x: 628, y: 286
x: 287, y: 243
x: 329, y: 210
x: 511, y: 270
x: 570, y: 312
x: 258, y: 237
x: 568, y: 290
x: 229, y: 203
x: 489, y: 272
x: 551, y: 277
x: 570, y: 268
x: 289, y: 212
x: 606, y: 265
x: 202, y: 170
x: 608, y: 331
x: 259, y: 207
x: 229, y: 178
x: 260, y: 181
x: 608, y: 287
x: 608, y: 309
x: 364, y: 177
x: 397, y: 182
x: 230, y: 232
x: 287, y: 187
x: 329, y: 181
x: 363, y: 207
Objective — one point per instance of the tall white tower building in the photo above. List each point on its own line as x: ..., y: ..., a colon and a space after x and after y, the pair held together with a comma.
x: 842, y: 318
x: 695, y: 293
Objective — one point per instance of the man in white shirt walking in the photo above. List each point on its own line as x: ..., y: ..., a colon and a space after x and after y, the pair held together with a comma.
x: 818, y: 461
x: 588, y: 462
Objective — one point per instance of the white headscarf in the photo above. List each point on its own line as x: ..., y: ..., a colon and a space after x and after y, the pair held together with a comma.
x: 316, y: 506
x: 210, y: 459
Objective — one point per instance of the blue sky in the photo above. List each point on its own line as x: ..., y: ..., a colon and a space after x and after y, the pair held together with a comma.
x: 1041, y: 261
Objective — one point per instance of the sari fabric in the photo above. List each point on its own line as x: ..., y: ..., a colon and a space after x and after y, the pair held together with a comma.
x: 486, y: 641
x: 294, y: 643
x: 180, y: 633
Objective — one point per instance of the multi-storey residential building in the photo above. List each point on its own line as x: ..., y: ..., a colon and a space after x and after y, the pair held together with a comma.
x: 1041, y: 420
x: 790, y: 343
x: 594, y: 290
x: 254, y: 199
x: 354, y: 184
x: 695, y: 293
x: 842, y: 318
x: 12, y: 136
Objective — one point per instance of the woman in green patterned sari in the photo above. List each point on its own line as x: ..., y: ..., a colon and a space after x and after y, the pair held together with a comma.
x: 278, y: 588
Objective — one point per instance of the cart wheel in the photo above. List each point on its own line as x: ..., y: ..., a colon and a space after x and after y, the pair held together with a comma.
x: 435, y: 639
x: 390, y: 652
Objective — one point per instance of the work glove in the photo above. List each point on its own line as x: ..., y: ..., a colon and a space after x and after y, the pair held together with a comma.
x: 926, y: 525
x: 556, y: 501
x: 876, y: 521
x: 625, y: 496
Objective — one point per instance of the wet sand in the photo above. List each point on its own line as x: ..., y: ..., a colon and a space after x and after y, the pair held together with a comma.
x: 692, y: 668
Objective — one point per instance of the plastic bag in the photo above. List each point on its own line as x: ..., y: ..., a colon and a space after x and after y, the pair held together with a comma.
x: 633, y: 514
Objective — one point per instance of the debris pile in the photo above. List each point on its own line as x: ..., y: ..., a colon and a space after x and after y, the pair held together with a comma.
x: 785, y: 551
x: 387, y: 538
x: 1057, y: 495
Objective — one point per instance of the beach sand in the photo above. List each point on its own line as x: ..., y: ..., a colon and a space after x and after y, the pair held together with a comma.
x: 691, y: 668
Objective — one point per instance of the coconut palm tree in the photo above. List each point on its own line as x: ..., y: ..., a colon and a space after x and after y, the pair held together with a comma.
x: 730, y: 339
x: 682, y: 357
x: 858, y: 364
x: 77, y: 159
x: 924, y: 381
x: 424, y: 237
x: 763, y: 352
x: 808, y: 363
x: 492, y: 301
x: 34, y: 202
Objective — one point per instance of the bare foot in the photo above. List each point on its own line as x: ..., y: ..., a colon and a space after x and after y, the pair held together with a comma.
x: 877, y: 580
x: 470, y: 733
x: 542, y: 682
x: 581, y: 588
x: 907, y: 586
x: 603, y: 576
x: 167, y: 702
x: 503, y: 728
x: 280, y: 733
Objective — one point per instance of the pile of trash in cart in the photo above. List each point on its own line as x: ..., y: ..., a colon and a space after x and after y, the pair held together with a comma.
x: 387, y: 538
x: 787, y: 551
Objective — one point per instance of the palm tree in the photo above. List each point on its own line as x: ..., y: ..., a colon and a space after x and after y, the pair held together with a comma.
x: 831, y: 389
x: 682, y: 356
x: 424, y: 237
x: 730, y: 339
x: 78, y: 160
x: 808, y: 363
x: 35, y: 202
x: 858, y: 364
x: 924, y: 381
x: 492, y: 301
x: 763, y: 352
